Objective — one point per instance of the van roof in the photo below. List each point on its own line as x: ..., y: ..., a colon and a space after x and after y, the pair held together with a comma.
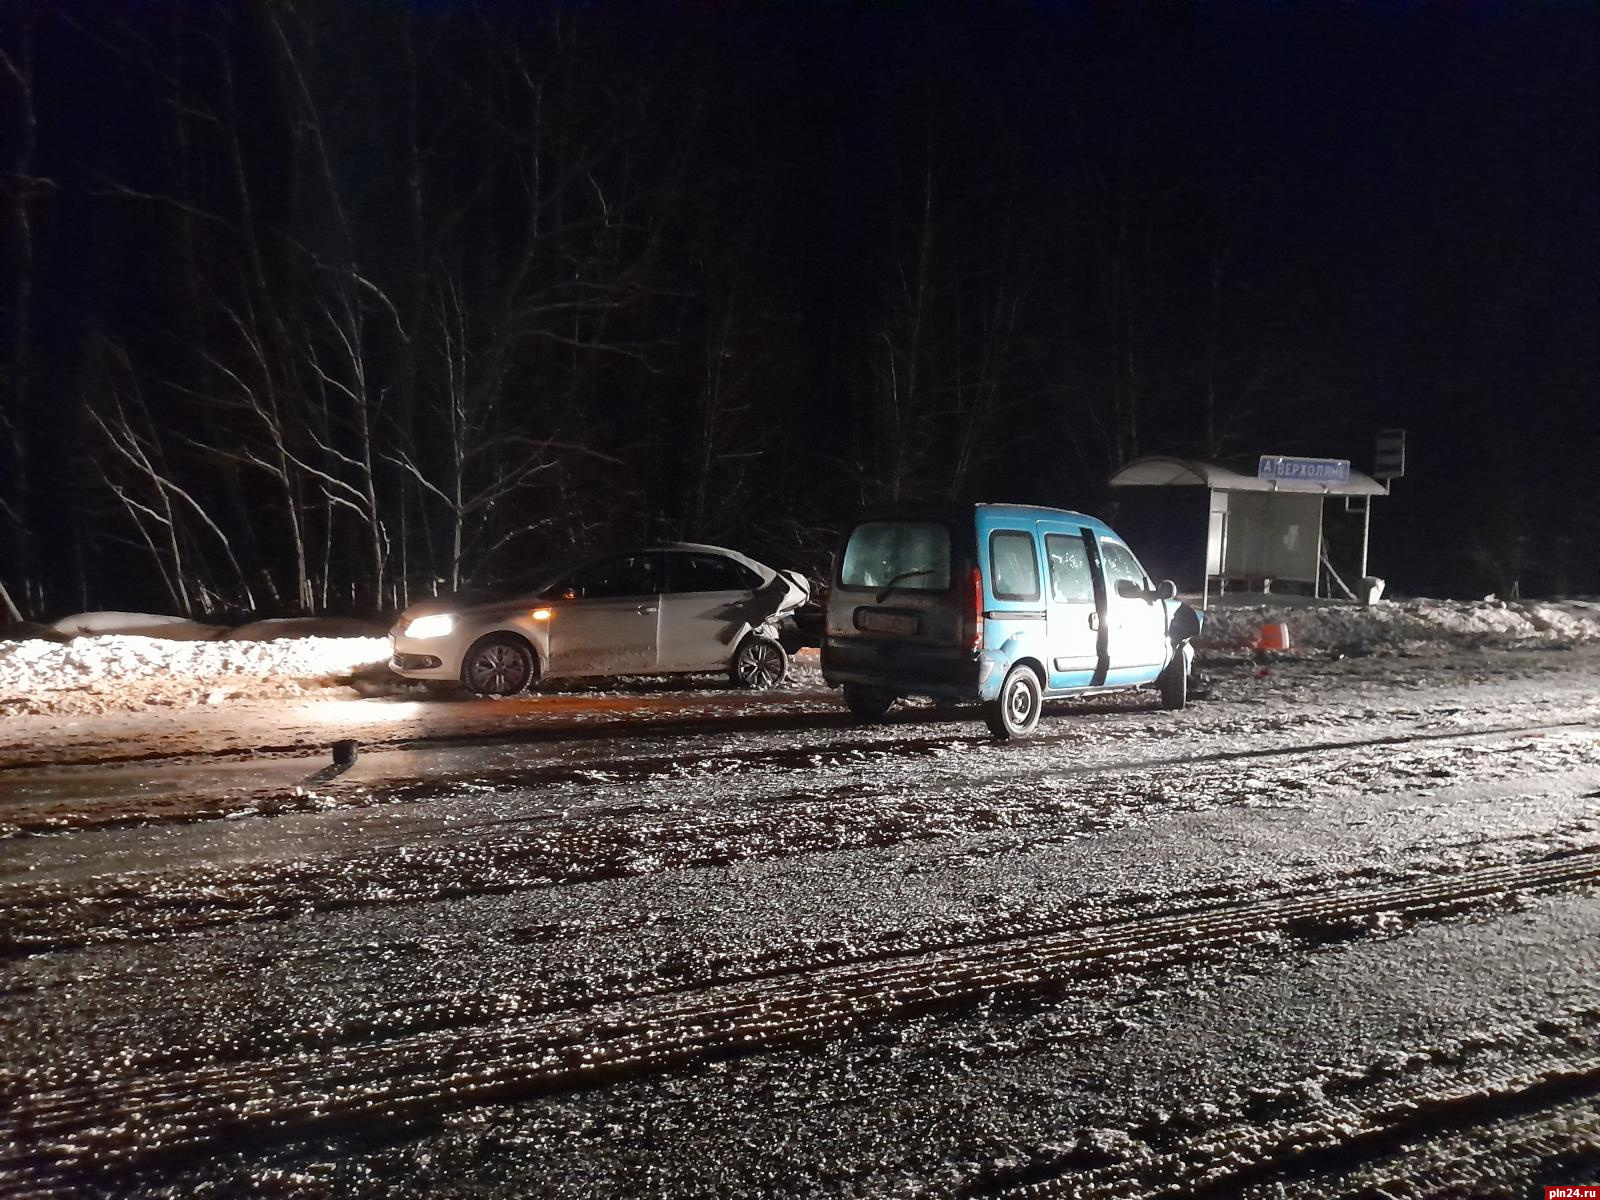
x: 1015, y: 512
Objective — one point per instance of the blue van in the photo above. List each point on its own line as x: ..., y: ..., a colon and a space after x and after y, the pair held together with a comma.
x: 1001, y: 604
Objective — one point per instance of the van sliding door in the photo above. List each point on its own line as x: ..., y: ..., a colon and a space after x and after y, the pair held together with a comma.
x: 1075, y: 617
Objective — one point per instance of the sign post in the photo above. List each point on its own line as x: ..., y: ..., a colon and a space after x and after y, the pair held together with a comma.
x: 1388, y: 463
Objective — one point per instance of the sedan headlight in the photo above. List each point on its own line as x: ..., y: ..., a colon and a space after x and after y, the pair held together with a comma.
x: 437, y: 625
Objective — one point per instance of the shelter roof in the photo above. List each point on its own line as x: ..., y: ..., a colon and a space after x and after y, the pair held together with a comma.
x: 1161, y: 471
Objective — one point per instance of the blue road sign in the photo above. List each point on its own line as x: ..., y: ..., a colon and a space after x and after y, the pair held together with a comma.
x: 1304, y: 470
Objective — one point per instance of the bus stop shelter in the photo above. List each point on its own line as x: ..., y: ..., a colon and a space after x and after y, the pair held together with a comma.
x: 1259, y: 528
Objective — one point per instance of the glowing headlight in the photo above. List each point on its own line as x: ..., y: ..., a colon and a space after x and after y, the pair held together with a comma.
x: 434, y: 626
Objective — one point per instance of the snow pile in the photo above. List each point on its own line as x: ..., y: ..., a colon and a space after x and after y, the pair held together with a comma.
x: 143, y: 624
x: 115, y: 672
x: 304, y: 627
x: 1397, y: 625
x: 121, y: 671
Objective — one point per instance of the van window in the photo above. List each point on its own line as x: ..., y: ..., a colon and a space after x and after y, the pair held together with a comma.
x: 1013, y: 566
x: 1120, y: 564
x: 912, y: 555
x: 1070, y: 580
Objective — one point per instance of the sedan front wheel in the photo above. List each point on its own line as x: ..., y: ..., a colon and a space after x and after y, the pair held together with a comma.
x: 499, y: 665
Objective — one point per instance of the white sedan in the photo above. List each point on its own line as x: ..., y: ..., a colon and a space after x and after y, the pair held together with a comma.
x: 659, y: 610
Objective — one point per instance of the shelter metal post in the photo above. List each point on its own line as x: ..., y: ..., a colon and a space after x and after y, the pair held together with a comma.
x: 1216, y: 548
x: 1366, y: 531
x: 1316, y: 574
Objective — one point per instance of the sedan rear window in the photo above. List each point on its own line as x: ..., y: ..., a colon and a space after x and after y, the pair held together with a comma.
x: 909, y: 555
x: 711, y: 573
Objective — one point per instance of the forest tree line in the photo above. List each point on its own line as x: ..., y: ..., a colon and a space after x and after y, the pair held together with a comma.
x: 323, y: 307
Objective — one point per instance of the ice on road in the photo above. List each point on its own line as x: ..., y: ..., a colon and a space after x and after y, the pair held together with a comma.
x: 1329, y: 930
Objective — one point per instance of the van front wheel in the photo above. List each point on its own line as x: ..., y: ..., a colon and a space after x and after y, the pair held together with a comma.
x: 867, y: 703
x: 1174, y: 682
x: 1015, y: 711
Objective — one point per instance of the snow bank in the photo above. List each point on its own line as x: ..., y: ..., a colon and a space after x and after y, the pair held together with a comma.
x: 1396, y: 625
x: 141, y: 624
x: 121, y: 671
x: 302, y: 627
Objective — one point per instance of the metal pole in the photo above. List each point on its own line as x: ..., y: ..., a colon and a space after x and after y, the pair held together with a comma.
x: 1316, y: 574
x: 1366, y: 531
x: 1205, y: 557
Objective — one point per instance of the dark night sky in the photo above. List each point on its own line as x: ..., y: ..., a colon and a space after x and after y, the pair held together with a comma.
x: 1391, y: 209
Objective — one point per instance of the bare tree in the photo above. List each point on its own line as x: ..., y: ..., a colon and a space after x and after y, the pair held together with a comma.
x: 344, y: 408
x: 489, y: 460
x: 900, y: 375
x: 135, y: 468
x: 22, y: 190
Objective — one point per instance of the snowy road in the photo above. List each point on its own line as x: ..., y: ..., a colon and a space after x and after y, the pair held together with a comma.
x: 1331, y: 929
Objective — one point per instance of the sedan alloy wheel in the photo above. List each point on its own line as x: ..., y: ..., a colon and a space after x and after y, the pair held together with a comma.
x: 760, y: 664
x: 498, y: 666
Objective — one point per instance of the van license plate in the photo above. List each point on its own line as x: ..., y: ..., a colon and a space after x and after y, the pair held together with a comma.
x: 886, y: 622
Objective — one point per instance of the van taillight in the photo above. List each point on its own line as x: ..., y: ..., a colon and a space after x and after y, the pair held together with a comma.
x: 977, y: 610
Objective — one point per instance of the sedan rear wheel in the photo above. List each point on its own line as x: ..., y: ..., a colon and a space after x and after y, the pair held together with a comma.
x: 498, y: 665
x: 760, y: 663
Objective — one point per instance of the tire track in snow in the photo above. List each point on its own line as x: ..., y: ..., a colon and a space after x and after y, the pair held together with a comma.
x: 1304, y: 1131
x: 256, y: 733
x: 585, y: 845
x: 54, y: 814
x: 1492, y: 1148
x: 94, y: 1130
x: 633, y: 717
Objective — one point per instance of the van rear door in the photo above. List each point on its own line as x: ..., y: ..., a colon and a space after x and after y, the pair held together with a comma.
x: 897, y: 580
x: 900, y: 613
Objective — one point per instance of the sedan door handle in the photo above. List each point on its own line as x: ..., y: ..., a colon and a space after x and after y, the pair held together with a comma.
x: 1094, y: 620
x: 645, y: 608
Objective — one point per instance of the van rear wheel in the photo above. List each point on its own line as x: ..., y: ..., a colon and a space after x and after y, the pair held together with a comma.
x: 867, y: 703
x: 1015, y: 711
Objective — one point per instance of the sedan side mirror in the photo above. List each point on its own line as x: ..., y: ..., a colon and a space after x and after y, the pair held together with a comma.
x: 1166, y: 590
